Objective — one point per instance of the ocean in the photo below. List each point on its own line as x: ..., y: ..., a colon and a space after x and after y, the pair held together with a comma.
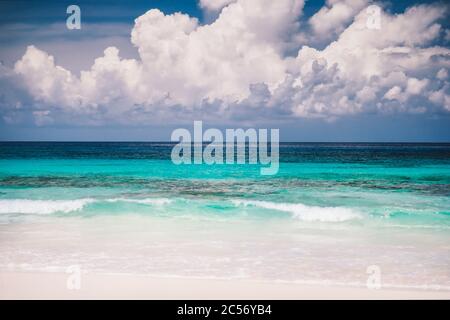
x: 332, y: 213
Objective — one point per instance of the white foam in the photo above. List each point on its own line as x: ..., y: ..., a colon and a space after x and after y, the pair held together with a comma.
x: 306, y: 213
x: 41, y: 206
x: 28, y: 206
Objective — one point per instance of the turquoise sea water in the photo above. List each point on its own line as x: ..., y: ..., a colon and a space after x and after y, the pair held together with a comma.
x: 331, y: 211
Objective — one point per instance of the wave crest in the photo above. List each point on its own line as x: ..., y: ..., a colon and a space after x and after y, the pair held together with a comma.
x: 306, y: 213
x: 27, y: 206
x: 42, y: 206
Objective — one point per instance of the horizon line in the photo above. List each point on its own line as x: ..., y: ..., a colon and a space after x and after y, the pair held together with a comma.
x: 176, y: 142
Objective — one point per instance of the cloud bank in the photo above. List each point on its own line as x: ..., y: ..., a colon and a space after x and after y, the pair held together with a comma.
x: 258, y: 60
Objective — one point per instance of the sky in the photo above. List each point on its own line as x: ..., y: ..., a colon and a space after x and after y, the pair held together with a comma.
x: 347, y: 70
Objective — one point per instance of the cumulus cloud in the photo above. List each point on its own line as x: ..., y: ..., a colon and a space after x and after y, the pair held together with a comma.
x: 332, y: 19
x: 366, y: 69
x: 241, y: 67
x: 214, y: 5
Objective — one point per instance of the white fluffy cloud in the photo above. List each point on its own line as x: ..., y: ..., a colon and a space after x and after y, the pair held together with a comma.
x: 365, y: 69
x: 219, y: 60
x: 215, y: 5
x: 333, y: 17
x: 241, y: 66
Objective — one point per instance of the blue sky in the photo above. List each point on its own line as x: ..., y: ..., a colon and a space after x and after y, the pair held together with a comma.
x: 308, y: 68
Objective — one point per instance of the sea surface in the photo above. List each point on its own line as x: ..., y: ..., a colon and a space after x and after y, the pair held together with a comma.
x: 333, y: 213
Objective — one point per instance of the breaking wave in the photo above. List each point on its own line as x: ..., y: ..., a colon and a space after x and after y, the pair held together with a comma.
x: 304, y: 212
x: 42, y: 206
x: 27, y: 206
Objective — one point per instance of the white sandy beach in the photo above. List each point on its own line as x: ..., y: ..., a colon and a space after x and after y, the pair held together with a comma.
x: 40, y: 285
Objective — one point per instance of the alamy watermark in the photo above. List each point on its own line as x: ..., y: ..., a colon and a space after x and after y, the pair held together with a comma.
x: 373, y: 21
x: 374, y: 278
x: 73, y: 281
x: 74, y: 20
x: 236, y: 144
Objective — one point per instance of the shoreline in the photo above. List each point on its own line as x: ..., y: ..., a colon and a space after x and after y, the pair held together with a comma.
x: 49, y: 285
